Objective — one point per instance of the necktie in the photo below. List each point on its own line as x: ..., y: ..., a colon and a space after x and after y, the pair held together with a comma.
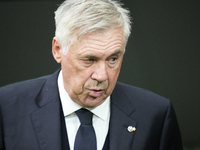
x: 85, y: 137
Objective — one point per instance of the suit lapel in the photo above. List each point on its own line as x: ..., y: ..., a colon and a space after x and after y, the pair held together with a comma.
x: 46, y: 123
x: 121, y: 118
x: 47, y: 119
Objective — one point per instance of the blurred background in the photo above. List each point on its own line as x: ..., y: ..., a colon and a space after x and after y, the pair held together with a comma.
x: 162, y: 55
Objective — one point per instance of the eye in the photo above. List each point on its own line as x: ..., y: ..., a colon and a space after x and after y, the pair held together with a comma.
x: 112, y: 59
x: 89, y: 60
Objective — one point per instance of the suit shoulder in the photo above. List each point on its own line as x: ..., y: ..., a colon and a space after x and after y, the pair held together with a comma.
x: 26, y: 84
x: 29, y: 89
x: 25, y: 89
x: 141, y: 95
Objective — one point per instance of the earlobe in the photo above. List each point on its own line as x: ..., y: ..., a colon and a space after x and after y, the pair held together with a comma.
x: 56, y: 50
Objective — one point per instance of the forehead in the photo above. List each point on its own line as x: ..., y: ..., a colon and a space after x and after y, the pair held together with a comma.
x: 110, y: 40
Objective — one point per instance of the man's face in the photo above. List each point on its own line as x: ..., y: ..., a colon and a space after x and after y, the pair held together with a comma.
x: 91, y: 67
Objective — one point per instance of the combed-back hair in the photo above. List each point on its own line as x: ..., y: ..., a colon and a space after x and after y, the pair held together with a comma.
x: 75, y: 18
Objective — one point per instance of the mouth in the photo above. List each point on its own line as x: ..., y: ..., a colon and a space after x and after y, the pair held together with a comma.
x: 96, y: 92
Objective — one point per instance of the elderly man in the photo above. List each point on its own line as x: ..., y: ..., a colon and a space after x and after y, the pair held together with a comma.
x: 82, y: 106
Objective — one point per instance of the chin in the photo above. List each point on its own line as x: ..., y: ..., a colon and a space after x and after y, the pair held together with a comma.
x: 93, y: 102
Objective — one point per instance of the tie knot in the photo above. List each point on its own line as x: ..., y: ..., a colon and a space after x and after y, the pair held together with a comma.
x: 85, y: 116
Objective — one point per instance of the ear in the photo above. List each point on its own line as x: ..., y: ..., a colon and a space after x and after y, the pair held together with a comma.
x: 56, y: 50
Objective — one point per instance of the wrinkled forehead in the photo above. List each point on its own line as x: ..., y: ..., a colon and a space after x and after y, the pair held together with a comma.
x: 109, y: 41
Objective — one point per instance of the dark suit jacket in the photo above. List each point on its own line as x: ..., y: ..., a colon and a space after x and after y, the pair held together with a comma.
x: 30, y: 118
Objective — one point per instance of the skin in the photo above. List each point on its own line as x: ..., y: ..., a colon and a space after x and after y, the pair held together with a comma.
x: 91, y: 67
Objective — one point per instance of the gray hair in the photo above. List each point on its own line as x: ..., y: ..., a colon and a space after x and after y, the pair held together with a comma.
x: 75, y: 18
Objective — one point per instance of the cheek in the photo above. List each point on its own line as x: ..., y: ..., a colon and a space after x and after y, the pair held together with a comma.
x: 113, y: 76
x: 80, y: 79
x: 72, y: 75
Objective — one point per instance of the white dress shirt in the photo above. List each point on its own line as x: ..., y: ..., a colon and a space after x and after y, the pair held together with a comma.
x: 101, y: 116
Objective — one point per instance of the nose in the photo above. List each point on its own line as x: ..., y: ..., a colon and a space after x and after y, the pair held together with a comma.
x: 100, y: 72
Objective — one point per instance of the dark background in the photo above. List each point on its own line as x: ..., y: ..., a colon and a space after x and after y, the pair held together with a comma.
x: 163, y: 53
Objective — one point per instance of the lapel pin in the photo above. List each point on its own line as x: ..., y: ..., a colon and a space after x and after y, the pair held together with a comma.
x: 131, y: 129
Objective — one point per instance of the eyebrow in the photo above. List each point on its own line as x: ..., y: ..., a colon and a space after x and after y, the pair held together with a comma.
x: 117, y: 52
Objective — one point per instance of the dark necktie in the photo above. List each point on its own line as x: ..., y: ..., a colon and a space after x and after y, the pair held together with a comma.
x: 85, y: 137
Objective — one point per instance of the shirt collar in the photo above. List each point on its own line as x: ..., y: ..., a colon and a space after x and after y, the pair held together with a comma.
x: 69, y: 106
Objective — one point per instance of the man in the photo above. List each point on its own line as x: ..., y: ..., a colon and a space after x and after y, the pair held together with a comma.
x: 42, y: 114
